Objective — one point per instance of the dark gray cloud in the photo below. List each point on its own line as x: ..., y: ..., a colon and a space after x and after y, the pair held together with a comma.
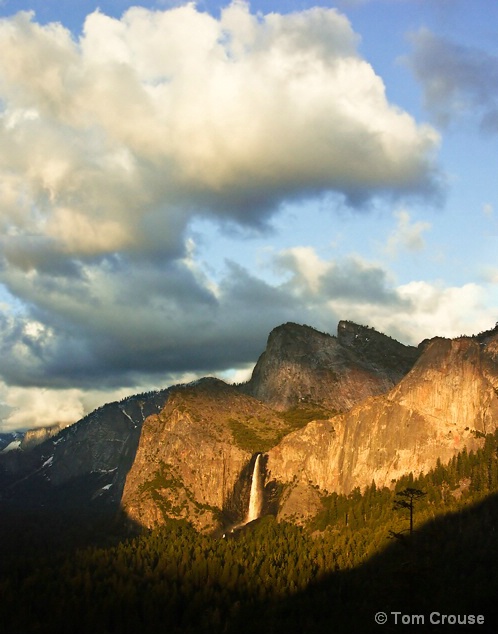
x: 115, y: 327
x: 456, y: 79
x: 364, y: 284
x: 348, y: 280
x: 131, y: 323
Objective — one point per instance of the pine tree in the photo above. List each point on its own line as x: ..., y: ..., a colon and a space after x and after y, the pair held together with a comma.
x: 408, y: 497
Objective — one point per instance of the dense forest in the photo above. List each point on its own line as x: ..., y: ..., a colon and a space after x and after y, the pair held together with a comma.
x: 356, y: 558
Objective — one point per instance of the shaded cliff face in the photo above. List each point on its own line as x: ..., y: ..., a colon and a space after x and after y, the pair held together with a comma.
x: 301, y: 365
x: 193, y: 454
x: 447, y: 402
x: 84, y: 466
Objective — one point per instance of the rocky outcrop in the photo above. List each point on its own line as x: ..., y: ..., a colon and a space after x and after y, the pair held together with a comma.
x: 301, y: 365
x: 193, y: 455
x: 445, y: 404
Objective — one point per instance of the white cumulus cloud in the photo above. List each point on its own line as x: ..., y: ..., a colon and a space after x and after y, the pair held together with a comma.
x: 113, y: 142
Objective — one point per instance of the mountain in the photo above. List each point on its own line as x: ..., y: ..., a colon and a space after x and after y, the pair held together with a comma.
x: 193, y: 456
x: 84, y: 466
x: 448, y: 402
x: 301, y: 365
x: 326, y: 413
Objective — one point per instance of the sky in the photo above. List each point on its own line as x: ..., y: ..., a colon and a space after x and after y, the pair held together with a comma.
x: 177, y: 179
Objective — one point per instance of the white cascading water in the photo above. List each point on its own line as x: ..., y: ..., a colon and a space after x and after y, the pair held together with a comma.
x: 256, y: 496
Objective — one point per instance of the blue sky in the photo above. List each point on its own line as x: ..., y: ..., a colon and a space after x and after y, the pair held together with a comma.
x: 176, y: 179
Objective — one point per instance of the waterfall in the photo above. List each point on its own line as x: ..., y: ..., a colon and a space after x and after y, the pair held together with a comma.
x: 256, y: 496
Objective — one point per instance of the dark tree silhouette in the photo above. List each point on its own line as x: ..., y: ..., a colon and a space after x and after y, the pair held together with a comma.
x: 408, y: 497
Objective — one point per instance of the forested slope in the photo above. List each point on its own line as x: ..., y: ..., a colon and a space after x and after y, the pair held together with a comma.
x: 333, y: 575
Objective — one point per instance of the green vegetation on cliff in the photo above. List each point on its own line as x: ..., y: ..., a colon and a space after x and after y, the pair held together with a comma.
x: 261, y: 434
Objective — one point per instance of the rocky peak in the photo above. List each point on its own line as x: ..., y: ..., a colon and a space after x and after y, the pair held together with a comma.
x: 302, y: 365
x: 295, y: 335
x: 349, y: 333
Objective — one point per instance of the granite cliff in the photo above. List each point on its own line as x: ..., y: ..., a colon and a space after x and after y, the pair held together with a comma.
x: 193, y: 456
x: 445, y: 404
x: 303, y: 373
x: 301, y: 365
x: 326, y: 413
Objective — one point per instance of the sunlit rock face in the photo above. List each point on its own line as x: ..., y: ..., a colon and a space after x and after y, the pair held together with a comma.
x: 35, y: 437
x: 191, y: 456
x: 444, y: 404
x: 301, y: 365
